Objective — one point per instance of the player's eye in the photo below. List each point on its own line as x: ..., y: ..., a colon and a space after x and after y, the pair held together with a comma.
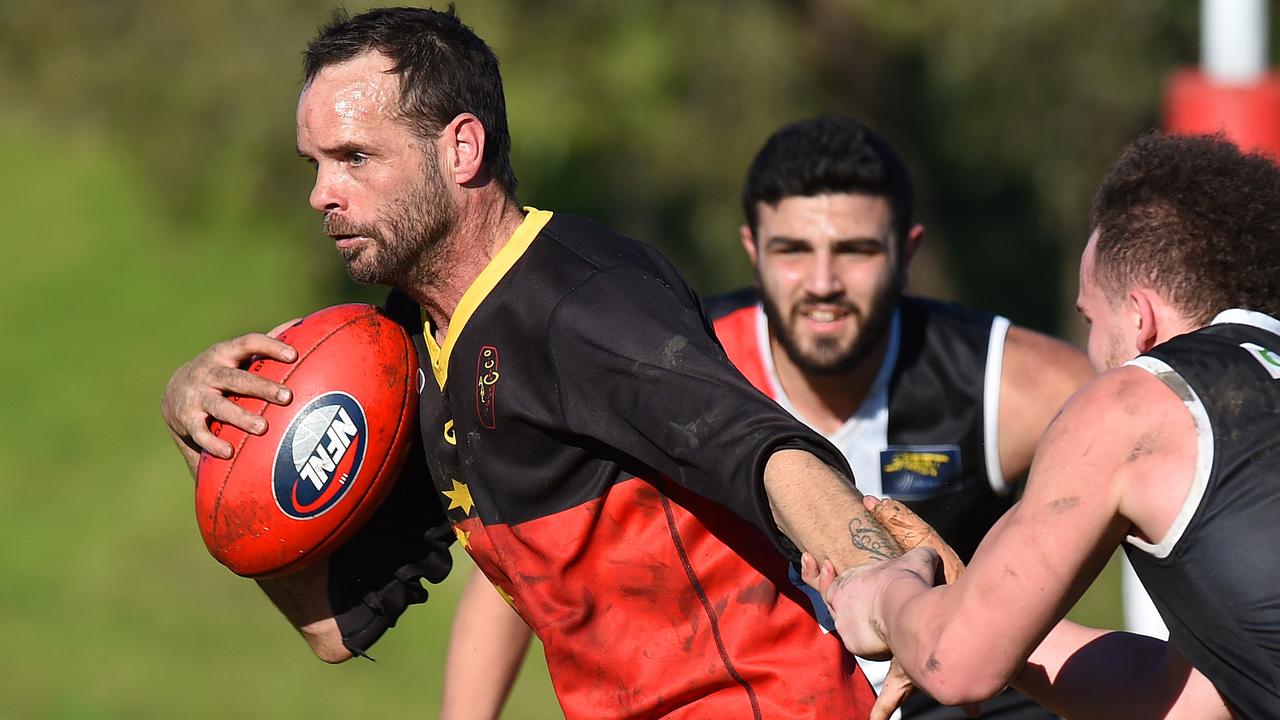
x: 790, y: 248
x: 860, y: 248
x: 357, y: 159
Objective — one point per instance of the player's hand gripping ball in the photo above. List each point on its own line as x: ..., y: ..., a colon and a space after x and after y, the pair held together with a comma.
x: 298, y: 492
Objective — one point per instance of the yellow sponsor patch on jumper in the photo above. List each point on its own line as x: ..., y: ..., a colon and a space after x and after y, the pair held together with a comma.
x: 919, y: 472
x: 921, y: 463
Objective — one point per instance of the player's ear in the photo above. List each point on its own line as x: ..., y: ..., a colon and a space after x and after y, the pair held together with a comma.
x: 748, y: 243
x: 462, y: 145
x: 1147, y: 333
x: 915, y: 237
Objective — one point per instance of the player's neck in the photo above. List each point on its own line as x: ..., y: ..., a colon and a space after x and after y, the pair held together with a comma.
x: 826, y: 402
x: 484, y: 227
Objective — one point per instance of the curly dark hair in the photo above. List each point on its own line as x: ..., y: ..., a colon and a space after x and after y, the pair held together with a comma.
x: 828, y: 154
x: 445, y: 69
x: 1193, y: 218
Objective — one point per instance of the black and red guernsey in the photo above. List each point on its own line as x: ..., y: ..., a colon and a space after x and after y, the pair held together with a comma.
x: 602, y: 462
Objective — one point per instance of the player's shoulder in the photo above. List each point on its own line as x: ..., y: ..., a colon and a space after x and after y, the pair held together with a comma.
x: 1118, y: 406
x: 1125, y: 433
x: 578, y: 262
x: 598, y: 247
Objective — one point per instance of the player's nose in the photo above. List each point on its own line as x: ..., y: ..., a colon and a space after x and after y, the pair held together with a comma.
x: 326, y: 194
x: 822, y: 280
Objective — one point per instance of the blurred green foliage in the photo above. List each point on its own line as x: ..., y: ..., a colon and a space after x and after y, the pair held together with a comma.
x: 155, y: 205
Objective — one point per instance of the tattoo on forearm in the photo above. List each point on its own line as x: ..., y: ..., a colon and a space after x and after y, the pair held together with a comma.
x: 869, y: 537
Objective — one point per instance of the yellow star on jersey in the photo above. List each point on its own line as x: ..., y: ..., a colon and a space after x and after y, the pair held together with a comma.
x: 459, y: 497
x: 464, y: 537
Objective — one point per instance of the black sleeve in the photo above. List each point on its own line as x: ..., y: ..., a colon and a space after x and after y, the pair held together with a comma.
x: 378, y: 574
x: 638, y: 369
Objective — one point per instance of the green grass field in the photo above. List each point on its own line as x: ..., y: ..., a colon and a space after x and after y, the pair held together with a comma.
x: 109, y: 605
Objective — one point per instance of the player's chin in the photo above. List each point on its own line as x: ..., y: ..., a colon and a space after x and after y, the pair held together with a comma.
x: 367, y: 273
x: 827, y: 358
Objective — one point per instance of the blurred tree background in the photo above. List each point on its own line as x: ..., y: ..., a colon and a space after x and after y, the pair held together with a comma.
x: 155, y: 205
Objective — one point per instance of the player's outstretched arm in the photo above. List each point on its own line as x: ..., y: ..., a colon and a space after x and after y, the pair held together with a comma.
x: 486, y: 648
x: 1036, y: 561
x: 197, y: 392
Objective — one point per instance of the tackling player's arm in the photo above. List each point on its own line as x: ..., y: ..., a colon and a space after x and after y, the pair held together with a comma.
x: 1037, y: 375
x: 486, y: 648
x: 1084, y: 495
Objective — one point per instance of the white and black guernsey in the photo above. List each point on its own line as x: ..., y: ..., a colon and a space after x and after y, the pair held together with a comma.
x: 1215, y: 577
x: 926, y: 434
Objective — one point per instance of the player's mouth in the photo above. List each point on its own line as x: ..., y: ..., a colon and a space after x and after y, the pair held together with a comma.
x: 348, y: 242
x: 825, y: 318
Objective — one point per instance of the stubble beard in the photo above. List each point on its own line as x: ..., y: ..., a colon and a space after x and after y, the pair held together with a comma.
x: 407, y: 239
x: 830, y: 356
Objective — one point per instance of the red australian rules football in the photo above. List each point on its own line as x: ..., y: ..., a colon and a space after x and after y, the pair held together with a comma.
x: 327, y: 460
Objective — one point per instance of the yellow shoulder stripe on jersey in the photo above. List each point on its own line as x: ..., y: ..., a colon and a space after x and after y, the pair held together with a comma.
x: 480, y: 288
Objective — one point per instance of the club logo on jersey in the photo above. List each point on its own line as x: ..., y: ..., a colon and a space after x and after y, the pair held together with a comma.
x: 918, y: 472
x: 1270, y: 361
x: 319, y: 456
x: 487, y: 385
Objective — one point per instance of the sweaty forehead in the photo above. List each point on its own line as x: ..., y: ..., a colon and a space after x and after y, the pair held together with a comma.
x: 829, y: 216
x: 356, y: 91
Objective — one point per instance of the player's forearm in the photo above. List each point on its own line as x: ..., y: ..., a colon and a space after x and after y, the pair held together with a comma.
x: 486, y: 648
x: 822, y: 513
x: 303, y: 598
x: 946, y: 654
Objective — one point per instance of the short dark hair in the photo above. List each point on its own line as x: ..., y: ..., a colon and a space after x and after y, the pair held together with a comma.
x: 829, y: 154
x: 445, y: 69
x: 1193, y: 218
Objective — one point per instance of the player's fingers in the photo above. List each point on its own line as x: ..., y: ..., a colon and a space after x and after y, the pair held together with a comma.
x: 221, y: 409
x: 236, y: 350
x: 210, y: 443
x: 809, y: 570
x: 241, y: 382
x: 870, y: 502
x: 826, y: 574
x: 910, y: 531
x: 897, y: 688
